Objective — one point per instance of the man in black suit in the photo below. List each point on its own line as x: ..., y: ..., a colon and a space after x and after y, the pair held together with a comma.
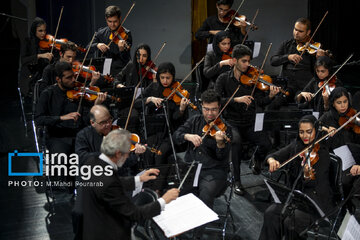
x: 108, y: 212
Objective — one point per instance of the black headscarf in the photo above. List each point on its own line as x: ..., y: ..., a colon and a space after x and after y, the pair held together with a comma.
x: 217, y: 39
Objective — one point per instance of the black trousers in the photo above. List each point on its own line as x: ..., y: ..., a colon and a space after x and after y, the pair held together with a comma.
x: 259, y: 139
x: 292, y: 225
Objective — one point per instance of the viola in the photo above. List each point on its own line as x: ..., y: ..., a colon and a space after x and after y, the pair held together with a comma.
x: 118, y: 35
x: 148, y: 69
x: 89, y: 93
x: 353, y: 125
x: 135, y: 139
x: 264, y: 81
x: 329, y: 86
x: 87, y: 71
x: 49, y: 41
x: 237, y: 19
x: 178, y: 94
x: 309, y: 172
x: 214, y: 126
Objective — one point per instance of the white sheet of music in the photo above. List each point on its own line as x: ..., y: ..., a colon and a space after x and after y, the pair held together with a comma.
x: 347, y: 158
x: 272, y: 192
x: 197, y: 174
x: 257, y: 47
x: 138, y: 92
x: 349, y: 229
x: 259, y: 122
x: 107, y: 65
x: 183, y: 214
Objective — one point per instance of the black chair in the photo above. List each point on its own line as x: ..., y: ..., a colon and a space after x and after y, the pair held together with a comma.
x: 201, y: 81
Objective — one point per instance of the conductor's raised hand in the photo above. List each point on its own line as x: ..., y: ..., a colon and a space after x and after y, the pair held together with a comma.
x: 171, y: 194
x: 150, y: 174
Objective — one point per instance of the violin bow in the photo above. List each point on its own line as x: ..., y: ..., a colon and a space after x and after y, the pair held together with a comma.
x: 322, y: 138
x: 312, y: 36
x: 139, y: 83
x: 122, y: 23
x: 81, y: 67
x: 337, y: 70
x: 262, y: 66
x: 57, y: 28
x: 252, y: 22
x: 233, y: 16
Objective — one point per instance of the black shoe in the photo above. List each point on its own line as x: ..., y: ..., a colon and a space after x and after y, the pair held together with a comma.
x: 239, y: 189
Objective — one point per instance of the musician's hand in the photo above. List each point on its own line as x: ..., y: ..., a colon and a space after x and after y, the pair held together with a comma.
x: 156, y: 101
x: 47, y: 55
x: 273, y: 164
x: 220, y: 139
x: 295, y: 58
x: 122, y: 45
x: 70, y: 116
x: 149, y: 175
x: 307, y: 96
x: 244, y: 99
x: 194, y: 138
x: 95, y: 76
x: 320, y: 52
x: 355, y: 170
x: 325, y: 96
x: 227, y: 62
x: 139, y: 149
x: 332, y: 130
x: 120, y: 85
x: 100, y: 98
x: 214, y: 32
x: 102, y: 47
x: 170, y: 195
x: 183, y: 104
x: 273, y: 91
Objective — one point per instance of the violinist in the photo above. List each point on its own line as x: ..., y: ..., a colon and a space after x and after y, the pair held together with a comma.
x: 319, y: 189
x: 33, y: 59
x: 241, y: 111
x: 130, y: 75
x: 218, y: 60
x: 212, y: 152
x: 157, y: 131
x: 323, y: 69
x: 219, y: 22
x: 340, y: 110
x: 120, y: 52
x: 298, y: 70
x: 59, y: 114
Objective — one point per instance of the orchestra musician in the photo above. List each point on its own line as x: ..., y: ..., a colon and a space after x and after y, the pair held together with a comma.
x: 241, y: 111
x: 318, y: 189
x: 297, y: 69
x: 129, y: 76
x: 217, y: 23
x: 211, y: 152
x: 120, y: 52
x: 108, y: 211
x: 323, y: 69
x: 340, y: 108
x: 33, y: 58
x: 218, y: 60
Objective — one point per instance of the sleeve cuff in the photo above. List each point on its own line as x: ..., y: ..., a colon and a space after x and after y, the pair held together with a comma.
x: 162, y: 203
x: 138, y: 183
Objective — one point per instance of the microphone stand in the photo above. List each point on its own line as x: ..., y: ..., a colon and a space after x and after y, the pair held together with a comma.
x: 164, y: 104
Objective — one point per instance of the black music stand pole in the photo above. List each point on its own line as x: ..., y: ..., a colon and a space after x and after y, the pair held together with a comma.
x: 142, y: 97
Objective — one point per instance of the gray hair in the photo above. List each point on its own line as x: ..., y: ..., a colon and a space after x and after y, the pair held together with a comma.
x: 116, y: 140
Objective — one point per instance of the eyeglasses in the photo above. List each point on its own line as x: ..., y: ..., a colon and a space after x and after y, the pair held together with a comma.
x: 223, y: 10
x: 108, y: 121
x: 210, y: 109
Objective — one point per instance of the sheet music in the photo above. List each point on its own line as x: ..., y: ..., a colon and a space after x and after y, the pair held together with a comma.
x: 139, y: 92
x: 183, y: 214
x: 107, y: 65
x: 197, y: 174
x: 273, y: 194
x: 316, y: 114
x: 257, y: 46
x: 347, y: 158
x: 349, y: 229
x: 259, y: 122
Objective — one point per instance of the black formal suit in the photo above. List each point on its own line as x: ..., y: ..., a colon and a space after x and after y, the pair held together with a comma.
x: 108, y: 212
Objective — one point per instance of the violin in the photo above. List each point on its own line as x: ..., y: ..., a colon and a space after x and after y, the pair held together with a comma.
x: 178, y: 94
x: 329, y: 86
x: 118, y: 35
x: 86, y: 71
x: 49, y: 41
x: 215, y: 126
x: 238, y: 18
x: 227, y: 55
x: 134, y: 139
x: 309, y: 172
x: 311, y: 47
x: 264, y: 81
x: 89, y: 93
x: 354, y: 125
x: 148, y: 73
